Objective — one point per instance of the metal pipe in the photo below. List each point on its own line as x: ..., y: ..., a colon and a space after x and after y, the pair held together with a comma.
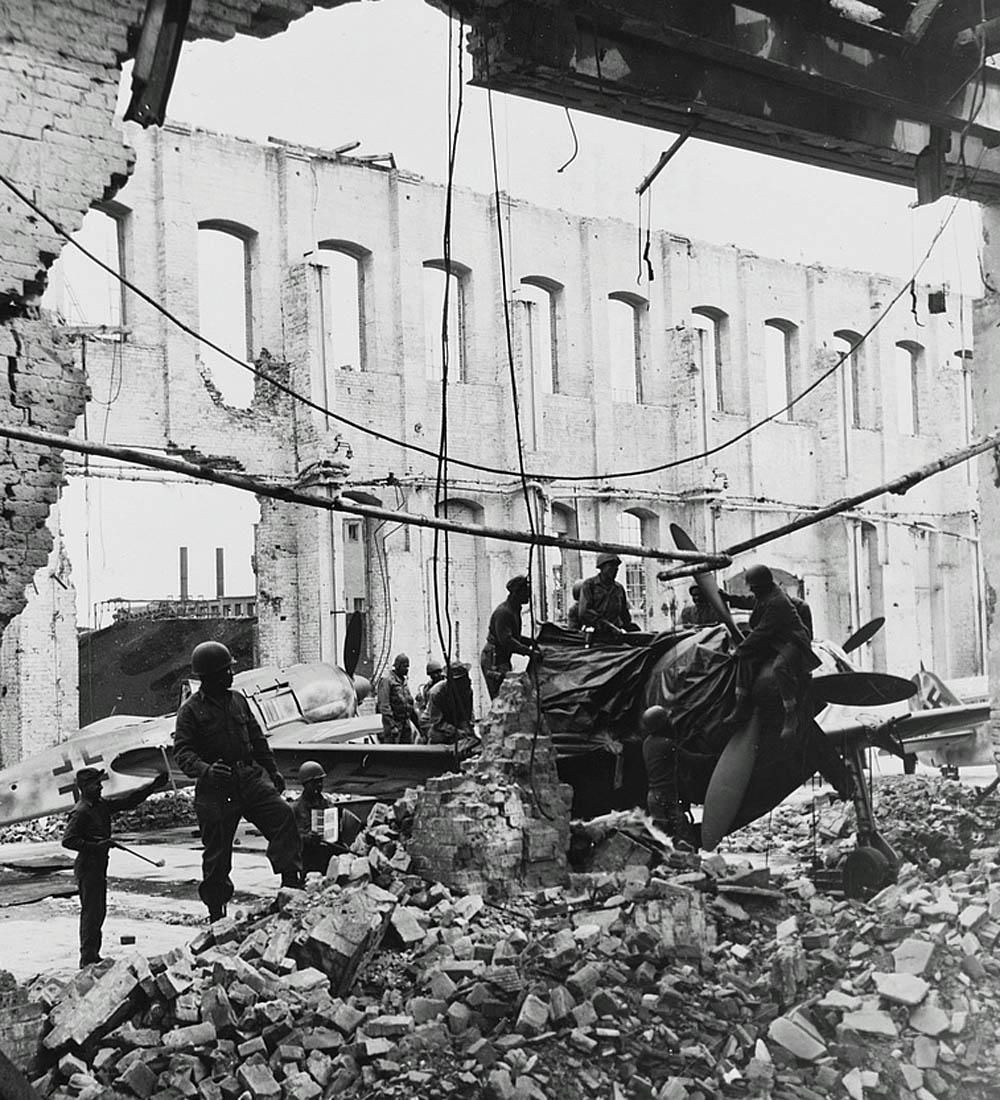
x: 339, y: 504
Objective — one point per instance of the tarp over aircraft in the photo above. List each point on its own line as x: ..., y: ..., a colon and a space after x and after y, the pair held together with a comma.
x: 593, y: 699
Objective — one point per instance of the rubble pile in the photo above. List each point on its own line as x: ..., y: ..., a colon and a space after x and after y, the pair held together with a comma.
x: 668, y: 978
x: 931, y: 822
x: 503, y: 824
x: 164, y: 810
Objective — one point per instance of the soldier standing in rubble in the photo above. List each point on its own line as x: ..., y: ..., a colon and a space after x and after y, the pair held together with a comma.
x: 88, y: 833
x: 218, y: 743
x: 659, y: 754
x: 504, y: 636
x: 603, y: 601
x: 395, y: 704
x: 448, y: 717
x: 777, y: 636
x: 435, y: 674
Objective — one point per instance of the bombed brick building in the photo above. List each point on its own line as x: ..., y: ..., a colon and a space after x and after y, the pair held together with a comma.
x: 329, y: 274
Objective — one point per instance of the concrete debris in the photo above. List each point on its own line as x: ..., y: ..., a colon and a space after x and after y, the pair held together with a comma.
x: 632, y: 984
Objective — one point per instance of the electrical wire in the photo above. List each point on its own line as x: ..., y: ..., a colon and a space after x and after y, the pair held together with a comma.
x: 967, y: 180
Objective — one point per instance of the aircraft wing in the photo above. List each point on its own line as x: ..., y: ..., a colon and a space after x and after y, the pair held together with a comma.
x: 353, y: 767
x: 918, y: 730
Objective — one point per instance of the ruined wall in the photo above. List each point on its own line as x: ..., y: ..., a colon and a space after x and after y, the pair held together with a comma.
x: 295, y: 207
x: 60, y: 65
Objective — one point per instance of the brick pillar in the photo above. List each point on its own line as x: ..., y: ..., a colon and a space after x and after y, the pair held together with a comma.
x: 504, y: 823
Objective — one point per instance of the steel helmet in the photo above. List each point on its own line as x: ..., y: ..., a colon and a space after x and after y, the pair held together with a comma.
x: 434, y: 664
x: 210, y: 657
x: 311, y: 770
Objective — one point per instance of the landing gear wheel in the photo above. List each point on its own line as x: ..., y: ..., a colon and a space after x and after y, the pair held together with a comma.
x: 865, y: 871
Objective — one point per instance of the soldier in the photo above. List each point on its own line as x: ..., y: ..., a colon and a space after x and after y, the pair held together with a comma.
x: 603, y: 602
x: 435, y: 674
x: 573, y: 615
x: 218, y: 743
x: 504, y: 637
x: 395, y: 704
x: 777, y: 635
x: 699, y: 612
x: 448, y: 718
x: 659, y: 754
x: 316, y: 850
x: 88, y: 833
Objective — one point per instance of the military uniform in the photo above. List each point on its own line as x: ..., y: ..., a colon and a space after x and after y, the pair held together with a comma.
x: 222, y: 729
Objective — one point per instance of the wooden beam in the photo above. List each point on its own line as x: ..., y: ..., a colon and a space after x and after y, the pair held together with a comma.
x: 920, y: 19
x: 765, y: 85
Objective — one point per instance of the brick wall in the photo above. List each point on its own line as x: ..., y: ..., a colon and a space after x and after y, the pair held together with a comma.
x: 60, y: 68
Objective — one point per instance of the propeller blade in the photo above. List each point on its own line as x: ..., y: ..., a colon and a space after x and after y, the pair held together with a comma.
x: 729, y: 782
x: 863, y: 689
x: 706, y: 582
x: 864, y: 634
x: 352, y: 641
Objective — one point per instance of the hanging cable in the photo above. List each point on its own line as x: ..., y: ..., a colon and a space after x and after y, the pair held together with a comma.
x: 968, y: 180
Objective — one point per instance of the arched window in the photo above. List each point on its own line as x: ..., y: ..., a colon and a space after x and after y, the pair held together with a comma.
x: 711, y: 330
x: 637, y: 527
x: 342, y: 267
x: 539, y: 300
x: 225, y: 305
x: 852, y: 372
x: 780, y: 356
x: 566, y: 566
x: 78, y: 290
x: 445, y: 319
x: 627, y: 316
x: 457, y: 567
x: 909, y: 361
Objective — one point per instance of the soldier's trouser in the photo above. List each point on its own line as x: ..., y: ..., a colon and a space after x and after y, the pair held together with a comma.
x: 252, y: 796
x: 92, y: 881
x: 494, y: 670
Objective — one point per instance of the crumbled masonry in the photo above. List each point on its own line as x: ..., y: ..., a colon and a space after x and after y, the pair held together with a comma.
x: 671, y: 978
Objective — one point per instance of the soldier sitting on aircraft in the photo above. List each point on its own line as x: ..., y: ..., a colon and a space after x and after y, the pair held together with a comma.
x: 88, y: 833
x: 218, y: 743
x: 777, y: 638
x: 448, y: 717
x: 699, y: 612
x: 603, y: 602
x: 309, y: 808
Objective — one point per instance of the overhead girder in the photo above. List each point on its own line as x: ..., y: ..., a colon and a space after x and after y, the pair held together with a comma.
x: 784, y: 77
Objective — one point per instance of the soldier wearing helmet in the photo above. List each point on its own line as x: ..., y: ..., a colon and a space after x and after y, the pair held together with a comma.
x: 659, y: 754
x: 309, y: 810
x: 778, y: 637
x: 448, y: 718
x: 435, y: 674
x: 218, y: 743
x: 603, y: 602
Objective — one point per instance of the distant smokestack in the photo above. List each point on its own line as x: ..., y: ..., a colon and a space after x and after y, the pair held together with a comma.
x: 184, y: 572
x: 220, y: 573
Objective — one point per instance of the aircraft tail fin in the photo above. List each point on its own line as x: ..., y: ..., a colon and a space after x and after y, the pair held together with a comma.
x: 932, y: 692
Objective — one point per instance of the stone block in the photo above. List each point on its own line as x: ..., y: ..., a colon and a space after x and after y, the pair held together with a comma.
x: 259, y: 1081
x: 195, y: 1035
x: 533, y: 1016
x: 903, y: 989
x: 99, y: 1009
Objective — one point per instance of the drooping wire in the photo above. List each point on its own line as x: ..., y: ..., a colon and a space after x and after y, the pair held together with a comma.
x: 576, y: 142
x: 442, y: 615
x: 967, y: 180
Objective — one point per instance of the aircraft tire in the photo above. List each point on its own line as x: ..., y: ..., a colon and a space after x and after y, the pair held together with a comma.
x: 865, y: 871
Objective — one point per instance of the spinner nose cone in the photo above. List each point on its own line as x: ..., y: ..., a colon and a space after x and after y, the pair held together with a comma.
x: 362, y: 688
